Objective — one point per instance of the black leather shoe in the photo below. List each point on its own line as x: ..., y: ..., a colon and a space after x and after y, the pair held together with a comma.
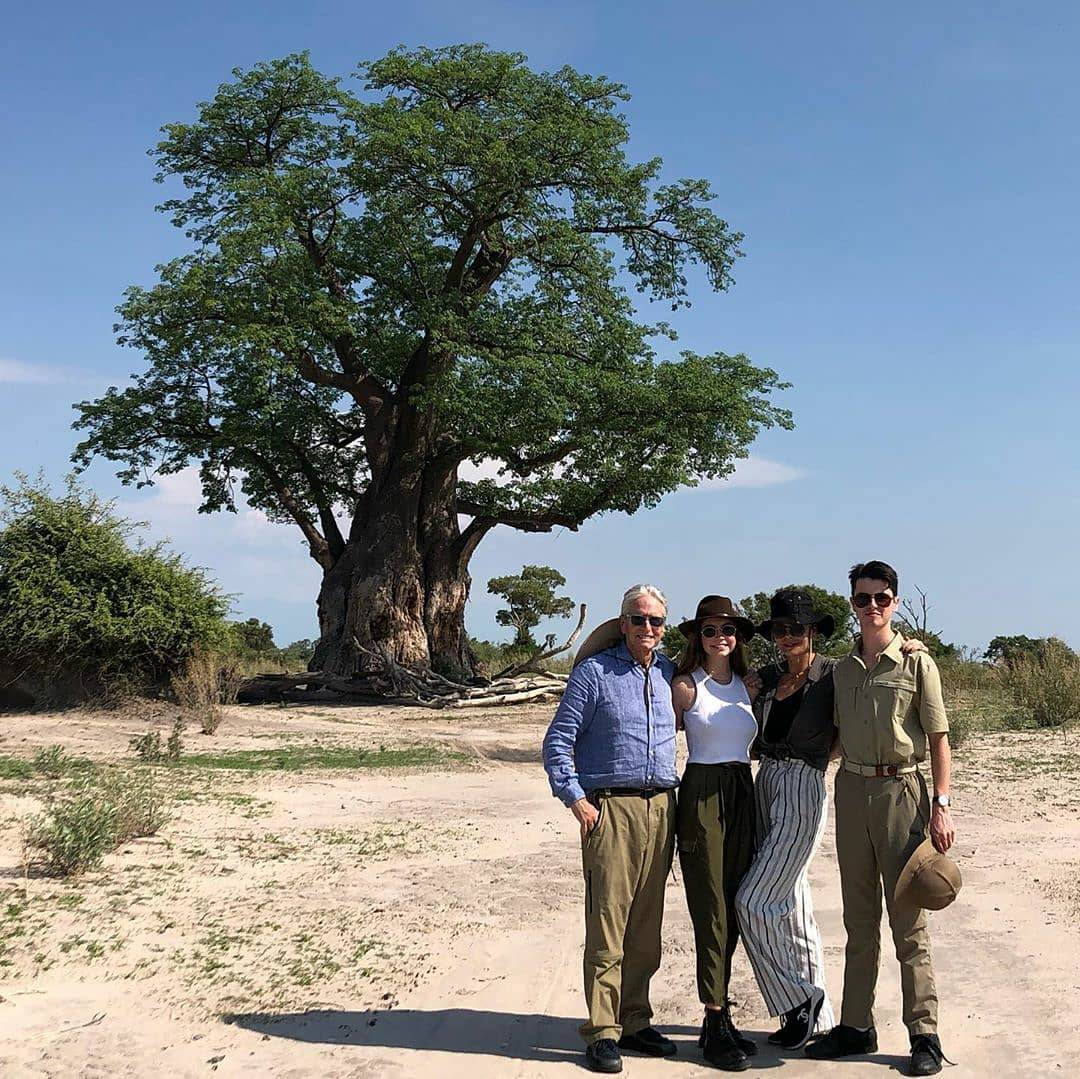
x: 720, y: 1049
x: 650, y: 1042
x: 602, y: 1056
x: 843, y: 1041
x: 926, y: 1055
x: 798, y: 1025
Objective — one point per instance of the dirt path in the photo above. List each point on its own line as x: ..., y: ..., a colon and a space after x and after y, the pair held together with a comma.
x: 428, y: 923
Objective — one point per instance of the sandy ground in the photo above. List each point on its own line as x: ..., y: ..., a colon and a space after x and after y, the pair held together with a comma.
x: 427, y: 922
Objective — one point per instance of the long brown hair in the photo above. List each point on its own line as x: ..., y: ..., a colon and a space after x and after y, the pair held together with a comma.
x: 693, y: 655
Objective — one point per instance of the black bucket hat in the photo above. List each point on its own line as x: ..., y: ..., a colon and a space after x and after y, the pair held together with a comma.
x: 718, y: 607
x: 795, y: 605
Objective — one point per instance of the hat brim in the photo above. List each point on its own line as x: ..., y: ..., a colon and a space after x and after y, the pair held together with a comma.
x: 825, y: 625
x: 743, y: 625
x: 603, y: 637
x: 925, y: 852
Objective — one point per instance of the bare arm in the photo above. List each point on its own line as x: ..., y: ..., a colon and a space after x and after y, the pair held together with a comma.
x: 683, y: 694
x: 942, y: 831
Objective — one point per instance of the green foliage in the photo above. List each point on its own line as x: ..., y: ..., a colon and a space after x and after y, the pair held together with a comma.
x: 431, y: 274
x: 297, y: 656
x: 530, y: 596
x: 147, y: 747
x: 76, y: 595
x: 83, y: 823
x: 756, y: 608
x: 1006, y: 650
x: 1045, y: 686
x: 253, y: 636
x: 673, y: 642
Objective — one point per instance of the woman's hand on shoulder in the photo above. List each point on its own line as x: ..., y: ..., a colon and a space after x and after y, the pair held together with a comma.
x: 913, y: 644
x: 752, y: 681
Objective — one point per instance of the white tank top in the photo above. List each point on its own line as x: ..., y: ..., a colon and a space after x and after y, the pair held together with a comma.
x: 720, y: 724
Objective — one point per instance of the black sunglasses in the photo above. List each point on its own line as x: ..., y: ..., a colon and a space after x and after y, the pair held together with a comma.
x: 862, y: 599
x: 726, y: 630
x: 654, y: 620
x: 788, y: 629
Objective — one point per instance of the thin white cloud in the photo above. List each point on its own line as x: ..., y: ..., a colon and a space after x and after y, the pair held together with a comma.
x: 17, y: 371
x: 754, y: 472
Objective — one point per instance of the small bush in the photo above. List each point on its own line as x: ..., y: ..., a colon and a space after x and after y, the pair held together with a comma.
x: 147, y: 747
x: 75, y: 832
x: 140, y: 805
x: 52, y: 762
x: 1044, y: 686
x: 81, y: 826
x: 175, y: 745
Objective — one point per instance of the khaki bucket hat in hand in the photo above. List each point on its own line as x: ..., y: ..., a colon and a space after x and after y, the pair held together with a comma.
x: 930, y: 880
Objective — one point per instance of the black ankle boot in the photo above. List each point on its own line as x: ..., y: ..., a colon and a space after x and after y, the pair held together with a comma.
x: 720, y: 1048
x: 740, y: 1039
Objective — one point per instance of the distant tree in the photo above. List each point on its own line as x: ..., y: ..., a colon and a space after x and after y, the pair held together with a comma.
x: 450, y: 266
x: 299, y: 653
x: 530, y: 596
x: 674, y: 641
x: 254, y: 636
x: 756, y: 608
x: 1007, y: 650
x: 915, y: 622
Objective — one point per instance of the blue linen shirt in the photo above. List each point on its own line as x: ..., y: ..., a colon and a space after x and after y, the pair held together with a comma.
x: 603, y: 735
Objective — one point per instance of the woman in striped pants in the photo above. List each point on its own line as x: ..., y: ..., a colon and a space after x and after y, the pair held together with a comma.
x: 793, y: 704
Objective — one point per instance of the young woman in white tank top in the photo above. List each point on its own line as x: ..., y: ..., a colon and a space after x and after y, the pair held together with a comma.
x: 715, y: 815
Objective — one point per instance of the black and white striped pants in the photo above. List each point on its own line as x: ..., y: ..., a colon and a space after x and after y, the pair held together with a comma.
x: 774, y: 907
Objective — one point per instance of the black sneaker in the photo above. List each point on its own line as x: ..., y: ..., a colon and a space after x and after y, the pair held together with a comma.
x: 602, y: 1056
x: 720, y: 1048
x: 798, y: 1025
x: 650, y: 1042
x: 843, y: 1041
x: 926, y: 1054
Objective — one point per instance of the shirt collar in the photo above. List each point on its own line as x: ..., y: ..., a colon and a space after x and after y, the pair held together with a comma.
x: 891, y: 651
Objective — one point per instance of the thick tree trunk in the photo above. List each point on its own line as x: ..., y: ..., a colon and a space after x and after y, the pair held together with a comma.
x: 400, y: 588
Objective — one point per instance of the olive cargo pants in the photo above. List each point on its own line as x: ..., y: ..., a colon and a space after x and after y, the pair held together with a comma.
x: 625, y: 858
x: 879, y: 823
x: 716, y: 847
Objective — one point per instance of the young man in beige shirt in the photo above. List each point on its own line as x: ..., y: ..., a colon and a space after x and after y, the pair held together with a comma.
x: 888, y: 712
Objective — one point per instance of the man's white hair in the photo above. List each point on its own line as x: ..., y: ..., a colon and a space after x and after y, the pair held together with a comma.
x: 636, y: 591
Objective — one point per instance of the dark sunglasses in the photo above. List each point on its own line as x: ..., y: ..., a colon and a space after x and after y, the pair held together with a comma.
x: 862, y: 599
x: 654, y: 620
x: 726, y: 630
x: 788, y: 629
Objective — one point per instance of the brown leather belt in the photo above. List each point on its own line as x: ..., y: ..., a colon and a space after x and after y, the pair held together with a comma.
x: 879, y: 770
x: 629, y: 792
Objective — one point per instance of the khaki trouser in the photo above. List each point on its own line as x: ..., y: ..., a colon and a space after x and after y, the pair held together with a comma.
x: 879, y: 823
x: 716, y: 847
x: 626, y: 858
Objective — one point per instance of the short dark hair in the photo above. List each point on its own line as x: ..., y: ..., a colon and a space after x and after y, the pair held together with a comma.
x: 876, y: 571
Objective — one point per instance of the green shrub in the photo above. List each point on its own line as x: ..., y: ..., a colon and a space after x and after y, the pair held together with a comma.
x: 75, y: 832
x: 81, y: 606
x: 52, y: 762
x: 82, y: 824
x: 147, y: 747
x: 1044, y: 686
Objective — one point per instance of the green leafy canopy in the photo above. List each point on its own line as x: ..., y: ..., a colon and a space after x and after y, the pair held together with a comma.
x: 438, y: 269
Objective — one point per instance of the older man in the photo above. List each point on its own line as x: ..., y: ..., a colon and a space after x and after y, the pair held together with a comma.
x: 610, y: 757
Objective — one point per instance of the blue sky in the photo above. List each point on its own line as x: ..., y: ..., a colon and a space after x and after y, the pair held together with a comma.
x: 906, y: 178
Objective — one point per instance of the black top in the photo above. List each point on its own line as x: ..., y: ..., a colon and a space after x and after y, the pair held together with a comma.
x: 808, y: 735
x: 781, y: 715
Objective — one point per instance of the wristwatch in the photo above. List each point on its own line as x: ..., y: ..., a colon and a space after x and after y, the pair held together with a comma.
x: 941, y: 800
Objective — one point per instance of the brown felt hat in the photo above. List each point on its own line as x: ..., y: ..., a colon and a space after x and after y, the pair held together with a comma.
x: 718, y: 607
x: 930, y: 880
x: 604, y: 636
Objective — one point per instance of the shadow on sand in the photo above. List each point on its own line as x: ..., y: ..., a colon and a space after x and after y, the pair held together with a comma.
x: 461, y: 1030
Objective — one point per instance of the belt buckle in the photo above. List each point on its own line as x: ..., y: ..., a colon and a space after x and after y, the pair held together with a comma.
x: 885, y: 770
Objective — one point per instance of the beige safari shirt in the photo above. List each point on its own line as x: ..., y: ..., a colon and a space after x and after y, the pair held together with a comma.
x: 884, y: 715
